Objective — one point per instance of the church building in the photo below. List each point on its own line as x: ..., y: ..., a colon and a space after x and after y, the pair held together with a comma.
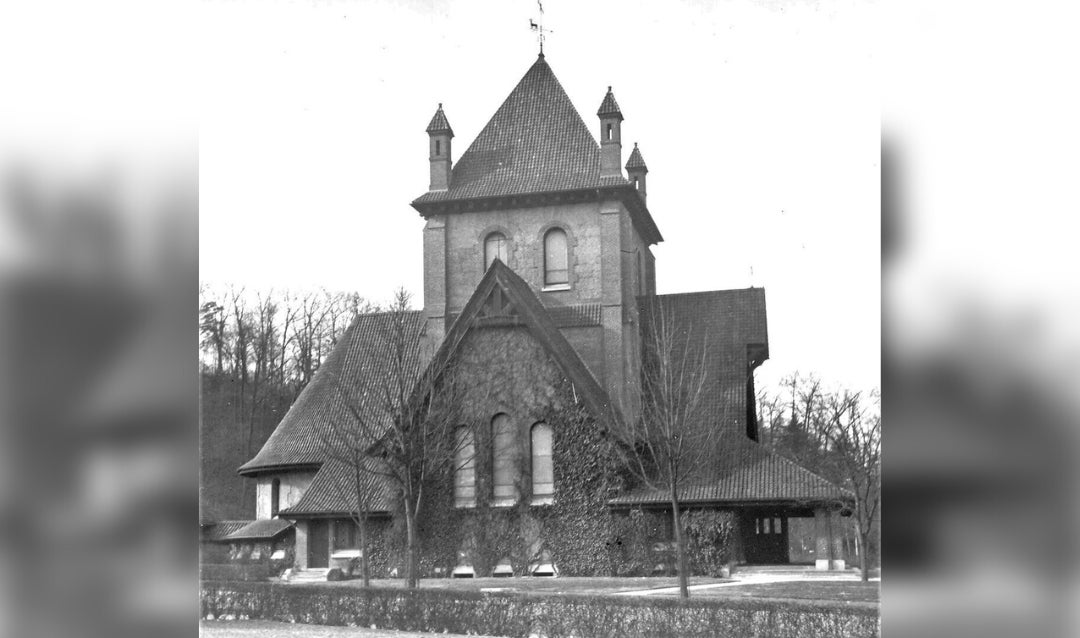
x: 539, y: 277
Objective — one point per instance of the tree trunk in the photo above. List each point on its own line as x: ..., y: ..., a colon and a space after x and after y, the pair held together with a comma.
x: 680, y: 547
x: 365, y: 566
x: 864, y: 537
x: 412, y: 582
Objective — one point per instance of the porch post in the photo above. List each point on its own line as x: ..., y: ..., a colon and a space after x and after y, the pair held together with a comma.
x: 821, y: 539
x: 301, y: 544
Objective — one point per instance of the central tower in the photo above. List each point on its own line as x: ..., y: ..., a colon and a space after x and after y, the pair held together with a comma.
x: 536, y: 191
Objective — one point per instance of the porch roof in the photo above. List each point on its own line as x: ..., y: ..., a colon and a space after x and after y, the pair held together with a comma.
x: 265, y: 529
x: 747, y: 472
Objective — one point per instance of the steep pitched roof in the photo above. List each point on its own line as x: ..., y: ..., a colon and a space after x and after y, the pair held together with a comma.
x: 729, y: 326
x: 747, y: 472
x: 333, y: 491
x: 439, y: 123
x: 535, y: 142
x: 609, y: 106
x: 636, y: 160
x: 348, y: 380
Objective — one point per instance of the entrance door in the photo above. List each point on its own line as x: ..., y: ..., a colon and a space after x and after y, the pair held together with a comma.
x: 319, y: 544
x: 767, y: 539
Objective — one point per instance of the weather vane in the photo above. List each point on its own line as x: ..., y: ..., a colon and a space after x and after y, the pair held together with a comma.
x: 539, y: 27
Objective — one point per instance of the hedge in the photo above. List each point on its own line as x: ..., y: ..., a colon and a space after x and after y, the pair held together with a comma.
x: 551, y: 616
x: 238, y: 571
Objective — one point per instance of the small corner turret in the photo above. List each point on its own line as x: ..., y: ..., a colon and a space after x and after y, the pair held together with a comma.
x: 440, y: 134
x: 636, y: 170
x: 610, y: 136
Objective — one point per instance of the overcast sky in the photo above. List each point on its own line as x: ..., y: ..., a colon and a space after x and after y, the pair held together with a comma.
x: 759, y: 121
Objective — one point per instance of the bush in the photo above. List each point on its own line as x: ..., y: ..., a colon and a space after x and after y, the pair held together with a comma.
x: 710, y: 540
x: 553, y: 616
x: 238, y: 571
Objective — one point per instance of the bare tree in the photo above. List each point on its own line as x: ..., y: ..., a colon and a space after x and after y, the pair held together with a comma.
x: 400, y: 428
x: 854, y: 432
x: 669, y: 446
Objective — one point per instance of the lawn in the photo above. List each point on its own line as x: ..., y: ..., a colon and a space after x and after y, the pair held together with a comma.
x: 562, y: 585
x: 821, y: 590
x: 268, y: 629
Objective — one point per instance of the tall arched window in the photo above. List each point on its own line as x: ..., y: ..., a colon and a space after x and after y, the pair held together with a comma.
x: 543, y: 474
x: 556, y: 259
x: 464, y: 468
x: 495, y: 245
x: 275, y: 497
x: 504, y: 461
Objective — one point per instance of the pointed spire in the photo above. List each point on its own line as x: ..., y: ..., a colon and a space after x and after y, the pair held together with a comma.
x: 636, y: 162
x: 609, y: 107
x: 439, y: 123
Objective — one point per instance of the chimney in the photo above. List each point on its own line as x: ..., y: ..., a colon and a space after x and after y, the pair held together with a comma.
x: 440, y: 134
x: 610, y: 136
x: 636, y: 171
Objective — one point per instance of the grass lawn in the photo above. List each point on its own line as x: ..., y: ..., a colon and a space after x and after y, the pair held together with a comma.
x: 825, y: 590
x: 267, y: 629
x: 561, y: 585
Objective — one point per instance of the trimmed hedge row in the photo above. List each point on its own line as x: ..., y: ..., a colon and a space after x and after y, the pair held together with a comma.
x: 551, y: 616
x: 238, y: 571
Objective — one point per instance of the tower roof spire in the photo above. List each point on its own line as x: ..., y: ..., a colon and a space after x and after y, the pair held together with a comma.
x: 439, y: 123
x: 636, y: 161
x: 609, y: 107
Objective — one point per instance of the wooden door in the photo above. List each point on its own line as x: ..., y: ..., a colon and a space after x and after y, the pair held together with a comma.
x: 319, y: 544
x: 767, y: 539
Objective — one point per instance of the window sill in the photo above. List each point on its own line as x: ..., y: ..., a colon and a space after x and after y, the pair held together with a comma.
x: 555, y: 288
x: 542, y: 500
x: 504, y: 502
x: 469, y: 505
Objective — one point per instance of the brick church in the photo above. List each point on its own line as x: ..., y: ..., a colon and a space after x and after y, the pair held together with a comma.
x: 538, y: 270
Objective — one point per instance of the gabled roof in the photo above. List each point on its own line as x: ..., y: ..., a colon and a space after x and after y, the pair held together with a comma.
x: 729, y: 326
x: 348, y: 379
x: 527, y: 309
x: 535, y: 142
x: 636, y: 161
x: 333, y: 491
x: 439, y: 123
x: 747, y: 472
x: 609, y: 106
x: 263, y: 529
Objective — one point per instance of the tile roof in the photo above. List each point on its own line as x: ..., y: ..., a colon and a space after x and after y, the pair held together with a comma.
x: 636, y: 161
x: 333, y: 491
x: 747, y: 472
x: 348, y: 378
x: 729, y: 326
x: 535, y: 142
x: 439, y: 123
x: 609, y: 106
x: 221, y: 529
x: 263, y: 529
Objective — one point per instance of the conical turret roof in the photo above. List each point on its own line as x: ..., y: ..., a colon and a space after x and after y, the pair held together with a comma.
x: 636, y: 161
x: 439, y: 123
x: 609, y: 106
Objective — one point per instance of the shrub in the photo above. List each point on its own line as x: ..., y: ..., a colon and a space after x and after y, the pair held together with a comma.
x: 710, y: 540
x: 553, y: 616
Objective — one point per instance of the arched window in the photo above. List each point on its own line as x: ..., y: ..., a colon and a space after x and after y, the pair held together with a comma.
x: 495, y: 245
x: 275, y: 497
x: 504, y: 461
x: 464, y: 468
x: 543, y: 474
x: 556, y: 259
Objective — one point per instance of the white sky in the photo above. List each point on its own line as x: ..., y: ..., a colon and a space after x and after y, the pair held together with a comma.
x: 759, y: 121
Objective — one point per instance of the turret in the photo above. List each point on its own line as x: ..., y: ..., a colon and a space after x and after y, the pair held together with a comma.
x: 610, y: 136
x: 440, y: 134
x: 636, y: 171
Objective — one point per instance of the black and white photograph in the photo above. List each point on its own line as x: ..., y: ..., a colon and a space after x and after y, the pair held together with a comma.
x: 538, y: 319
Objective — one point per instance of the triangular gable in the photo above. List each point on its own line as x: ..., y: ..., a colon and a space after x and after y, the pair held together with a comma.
x: 503, y: 298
